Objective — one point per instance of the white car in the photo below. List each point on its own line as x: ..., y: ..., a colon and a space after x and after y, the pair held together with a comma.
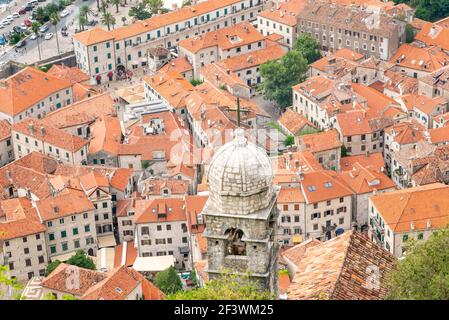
x: 48, y: 36
x: 33, y: 36
x: 15, y: 15
x: 10, y: 18
x: 64, y: 13
x: 5, y: 22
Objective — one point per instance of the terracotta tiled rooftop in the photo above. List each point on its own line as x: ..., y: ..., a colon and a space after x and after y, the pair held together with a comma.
x: 26, y: 88
x: 225, y: 38
x: 294, y: 122
x: 290, y: 195
x: 374, y: 161
x: 254, y: 58
x: 322, y: 186
x: 160, y: 210
x: 93, y: 36
x: 434, y: 34
x: 364, y: 180
x: 179, y: 64
x: 155, y: 187
x: 321, y: 141
x: 106, y: 135
x: 423, y: 103
x: 417, y: 207
x: 423, y: 59
x: 71, y: 74
x: 5, y: 130
x: 285, y: 12
x: 39, y: 130
x: 339, y: 269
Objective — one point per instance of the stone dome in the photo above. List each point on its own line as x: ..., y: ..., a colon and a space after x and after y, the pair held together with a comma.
x: 240, y: 177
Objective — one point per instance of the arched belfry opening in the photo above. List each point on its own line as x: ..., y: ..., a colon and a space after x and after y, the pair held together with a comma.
x: 234, y: 244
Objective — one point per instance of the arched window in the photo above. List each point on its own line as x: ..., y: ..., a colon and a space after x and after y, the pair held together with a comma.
x: 234, y: 244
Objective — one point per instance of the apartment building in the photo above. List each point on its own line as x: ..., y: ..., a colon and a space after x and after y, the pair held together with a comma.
x: 99, y: 53
x: 221, y: 44
x: 291, y: 219
x: 342, y: 63
x: 161, y: 229
x: 22, y: 239
x: 409, y: 214
x: 34, y: 135
x: 325, y: 147
x: 433, y: 34
x: 423, y: 109
x: 32, y: 93
x: 435, y: 84
x: 328, y: 205
x: 320, y: 98
x: 6, y: 148
x: 105, y: 142
x: 369, y: 32
x: 397, y: 137
x: 70, y: 222
x: 294, y: 124
x: 247, y: 66
x: 281, y: 19
x: 360, y: 133
x: 125, y: 214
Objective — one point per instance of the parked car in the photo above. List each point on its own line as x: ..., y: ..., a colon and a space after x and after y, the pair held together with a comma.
x: 27, y: 22
x: 43, y: 28
x: 28, y: 7
x: 2, y: 41
x: 21, y: 43
x: 22, y: 10
x: 17, y: 29
x: 48, y: 36
x: 34, y: 36
x: 64, y: 13
x: 15, y: 15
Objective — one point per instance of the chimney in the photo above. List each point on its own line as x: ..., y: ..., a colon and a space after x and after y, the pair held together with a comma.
x: 367, y: 153
x: 42, y: 130
x: 55, y: 209
x: 31, y: 127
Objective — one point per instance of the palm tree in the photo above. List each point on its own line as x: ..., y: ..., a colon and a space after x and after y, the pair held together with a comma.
x: 85, y: 11
x: 54, y: 20
x: 108, y: 19
x: 124, y: 20
x: 81, y: 21
x: 35, y: 27
x: 104, y: 5
x: 116, y: 3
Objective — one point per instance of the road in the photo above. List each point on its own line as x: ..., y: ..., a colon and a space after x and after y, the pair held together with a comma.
x: 29, y: 53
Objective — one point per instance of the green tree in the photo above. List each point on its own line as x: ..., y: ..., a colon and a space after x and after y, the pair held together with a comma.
x: 195, y: 82
x: 139, y: 12
x: 154, y: 5
x: 429, y: 10
x: 424, y: 272
x: 35, y: 28
x: 6, y: 280
x: 124, y: 20
x: 85, y: 11
x: 116, y: 3
x: 308, y: 46
x: 81, y: 21
x: 108, y: 19
x: 186, y: 3
x: 279, y: 77
x: 409, y: 33
x: 344, y: 151
x: 54, y: 20
x: 289, y: 141
x: 168, y: 281
x: 225, y: 287
x: 51, y: 266
x: 104, y: 5
x: 82, y: 260
x: 193, y: 278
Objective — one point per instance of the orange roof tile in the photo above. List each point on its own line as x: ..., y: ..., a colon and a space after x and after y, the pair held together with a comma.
x: 364, y: 180
x: 39, y: 130
x: 93, y: 36
x: 294, y: 122
x: 423, y: 103
x: 416, y: 206
x: 290, y: 195
x: 26, y: 88
x: 321, y: 141
x: 5, y: 130
x: 71, y: 74
x: 106, y: 135
x: 349, y: 54
x: 433, y: 34
x: 254, y: 58
x: 373, y: 161
x: 67, y: 203
x: 284, y: 12
x: 439, y: 135
x: 423, y: 59
x: 160, y: 210
x: 179, y: 64
x: 225, y: 38
x: 323, y: 185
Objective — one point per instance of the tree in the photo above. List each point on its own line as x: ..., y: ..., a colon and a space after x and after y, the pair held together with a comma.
x: 104, y: 5
x: 51, y: 266
x: 82, y: 260
x: 54, y: 20
x: 193, y: 278
x: 289, y: 141
x: 154, y: 5
x: 225, y: 287
x: 186, y: 3
x: 429, y: 10
x: 168, y: 281
x: 279, y: 77
x: 108, y: 19
x: 116, y: 3
x: 124, y: 20
x: 409, y: 33
x: 85, y: 11
x: 81, y: 21
x: 139, y: 12
x: 424, y: 272
x: 308, y: 46
x: 344, y: 151
x: 9, y: 282
x: 35, y: 28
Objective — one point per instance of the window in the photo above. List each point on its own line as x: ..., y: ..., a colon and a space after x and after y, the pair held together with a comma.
x: 28, y: 262
x: 285, y: 207
x: 105, y: 204
x: 24, y: 239
x: 160, y: 241
x: 296, y: 207
x: 87, y: 228
x: 39, y: 247
x: 26, y: 250
x: 184, y: 239
x: 65, y: 246
x: 51, y: 236
x: 341, y: 200
x: 145, y: 230
x: 168, y: 227
x: 169, y: 240
x: 159, y: 228
x: 85, y: 215
x: 38, y: 236
x: 105, y: 216
x: 146, y: 242
x: 341, y: 220
x: 52, y: 249
x: 75, y: 231
x: 41, y: 259
x: 61, y: 221
x: 63, y: 234
x: 76, y: 243
x: 420, y: 236
x: 405, y: 237
x: 315, y: 215
x: 315, y: 205
x: 315, y: 226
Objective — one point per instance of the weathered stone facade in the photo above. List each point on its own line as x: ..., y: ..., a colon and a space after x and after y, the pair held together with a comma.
x: 241, y: 214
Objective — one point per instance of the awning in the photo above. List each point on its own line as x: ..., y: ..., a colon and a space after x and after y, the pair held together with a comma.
x: 153, y: 264
x: 296, y: 239
x: 63, y: 257
x: 106, y: 241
